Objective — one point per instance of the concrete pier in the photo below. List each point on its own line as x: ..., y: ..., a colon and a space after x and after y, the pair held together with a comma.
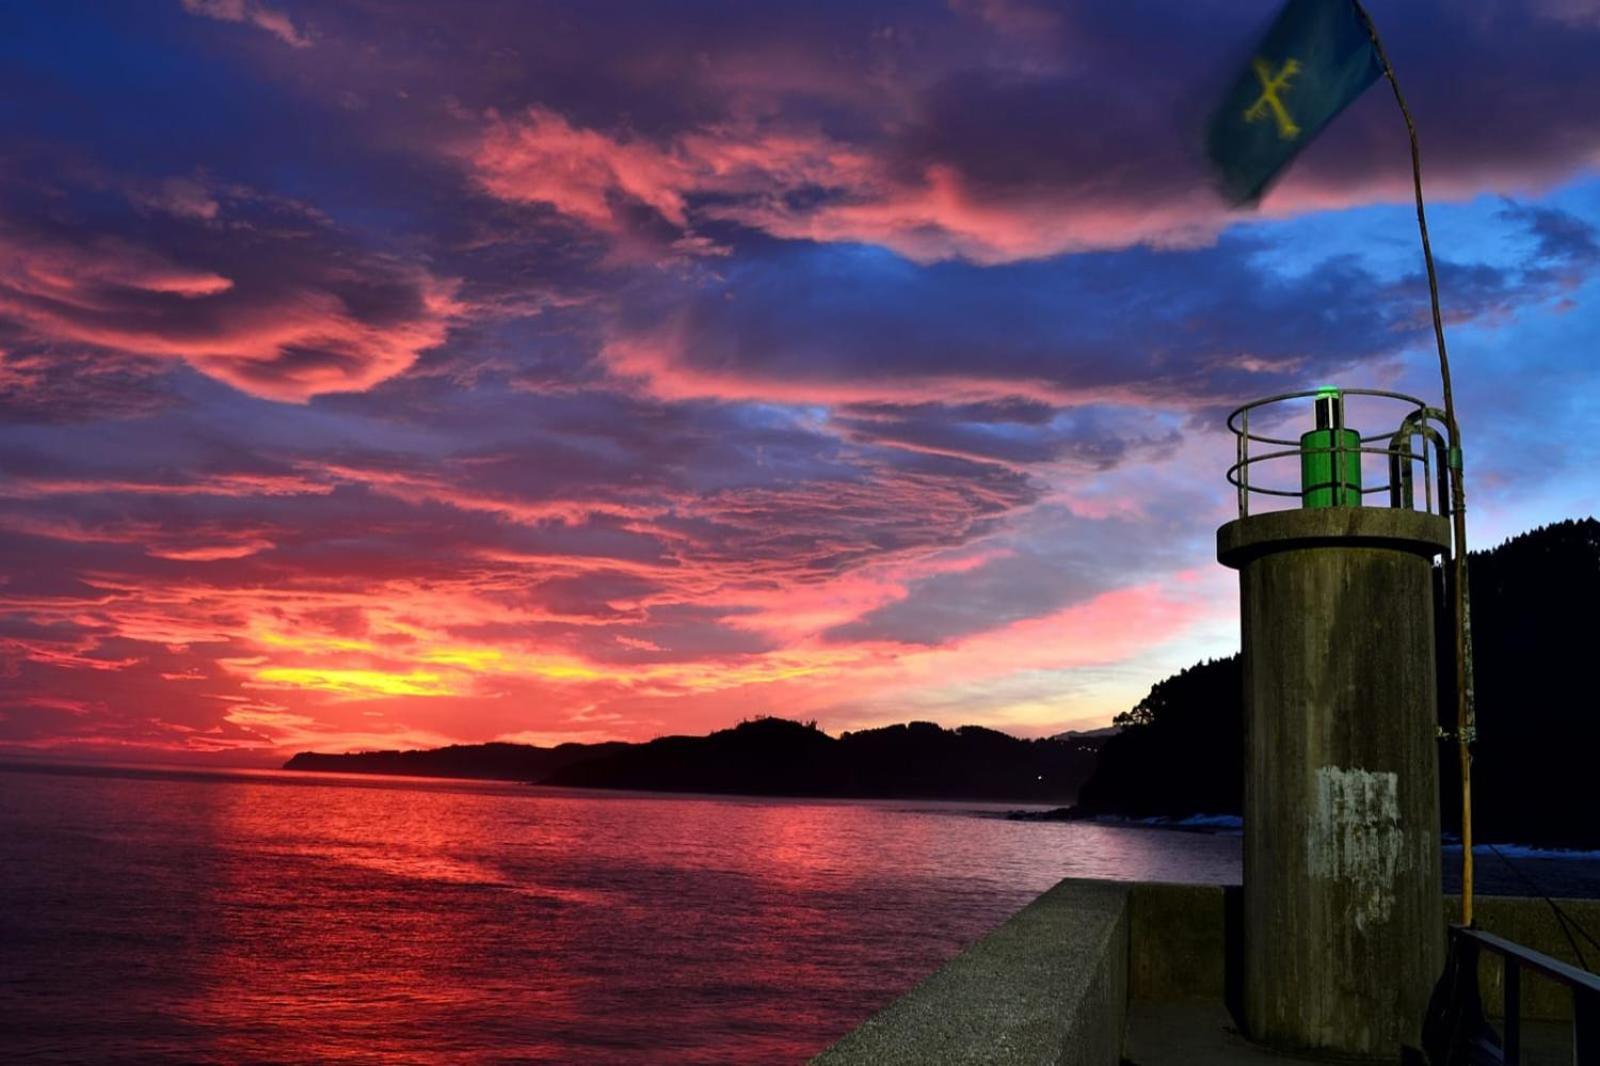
x: 1341, y: 931
x: 1101, y: 973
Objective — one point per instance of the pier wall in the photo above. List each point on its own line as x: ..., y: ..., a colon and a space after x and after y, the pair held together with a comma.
x: 1052, y: 985
x: 1048, y: 986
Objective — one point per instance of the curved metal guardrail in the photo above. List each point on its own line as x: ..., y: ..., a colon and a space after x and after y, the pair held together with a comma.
x: 1417, y: 420
x: 1463, y: 1017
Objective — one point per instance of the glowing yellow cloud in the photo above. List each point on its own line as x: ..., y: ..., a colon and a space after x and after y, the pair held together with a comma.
x: 356, y: 683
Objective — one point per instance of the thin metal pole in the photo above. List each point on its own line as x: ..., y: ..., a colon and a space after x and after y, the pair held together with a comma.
x: 1512, y: 1025
x: 1465, y: 725
x: 1244, y: 471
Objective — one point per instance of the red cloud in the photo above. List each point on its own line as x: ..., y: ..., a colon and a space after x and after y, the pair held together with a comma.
x: 519, y: 618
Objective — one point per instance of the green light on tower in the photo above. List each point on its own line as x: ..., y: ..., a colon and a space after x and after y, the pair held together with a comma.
x: 1330, y: 447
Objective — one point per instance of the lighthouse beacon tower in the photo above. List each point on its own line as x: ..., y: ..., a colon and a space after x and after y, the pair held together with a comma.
x: 1343, y: 928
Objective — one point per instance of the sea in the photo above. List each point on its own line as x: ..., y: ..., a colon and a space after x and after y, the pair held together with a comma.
x: 171, y: 915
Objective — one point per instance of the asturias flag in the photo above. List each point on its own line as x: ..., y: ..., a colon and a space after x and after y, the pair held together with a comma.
x: 1315, y: 59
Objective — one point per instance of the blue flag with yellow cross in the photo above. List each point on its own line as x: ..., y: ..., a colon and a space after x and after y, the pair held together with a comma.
x: 1313, y: 61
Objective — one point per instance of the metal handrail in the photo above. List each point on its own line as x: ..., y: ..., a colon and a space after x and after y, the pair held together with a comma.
x: 1395, y: 445
x: 1400, y: 477
x: 1396, y: 454
x: 1583, y: 985
x: 1410, y: 401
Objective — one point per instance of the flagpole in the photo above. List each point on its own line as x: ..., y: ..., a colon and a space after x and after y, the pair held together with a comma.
x: 1465, y: 725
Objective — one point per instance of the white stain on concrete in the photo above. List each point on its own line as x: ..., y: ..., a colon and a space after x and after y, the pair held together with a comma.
x: 1355, y: 838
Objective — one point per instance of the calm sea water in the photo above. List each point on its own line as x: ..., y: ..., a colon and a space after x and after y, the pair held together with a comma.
x: 164, y: 916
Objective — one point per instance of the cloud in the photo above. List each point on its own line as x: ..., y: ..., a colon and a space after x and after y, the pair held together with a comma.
x: 183, y: 197
x: 989, y: 161
x: 271, y: 299
x: 1042, y: 562
x: 246, y: 11
x: 541, y: 158
x: 1581, y: 13
x: 1566, y: 248
x: 596, y: 178
x: 39, y: 382
x: 1014, y: 431
x: 655, y: 561
x: 866, y: 331
x: 855, y: 326
x: 797, y: 183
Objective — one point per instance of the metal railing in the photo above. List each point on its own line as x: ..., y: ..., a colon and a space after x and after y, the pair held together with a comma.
x: 1417, y: 421
x: 1583, y: 985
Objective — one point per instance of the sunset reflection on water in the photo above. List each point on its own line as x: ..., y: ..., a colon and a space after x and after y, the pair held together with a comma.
x: 282, y: 918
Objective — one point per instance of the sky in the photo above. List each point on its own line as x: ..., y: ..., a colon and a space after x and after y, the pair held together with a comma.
x: 396, y: 374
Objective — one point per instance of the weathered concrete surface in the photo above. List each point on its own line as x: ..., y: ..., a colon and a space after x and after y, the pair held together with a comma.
x: 1326, y: 527
x: 1179, y: 941
x: 1341, y: 853
x: 1048, y: 987
x: 1183, y: 944
x: 1191, y: 1032
x: 1201, y: 1033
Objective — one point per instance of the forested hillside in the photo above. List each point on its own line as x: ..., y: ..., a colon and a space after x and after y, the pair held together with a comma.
x: 1535, y: 628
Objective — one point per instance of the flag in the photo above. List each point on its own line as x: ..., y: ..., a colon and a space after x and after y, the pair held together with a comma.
x: 1314, y: 60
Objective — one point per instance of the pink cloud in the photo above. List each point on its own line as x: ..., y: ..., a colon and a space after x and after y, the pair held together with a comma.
x: 940, y: 215
x: 285, y: 336
x: 753, y: 172
x: 998, y: 155
x: 182, y: 197
x: 416, y: 486
x: 593, y: 177
x: 247, y: 11
x: 1017, y: 17
x: 86, y: 279
x: 539, y: 157
x: 204, y: 553
x: 190, y: 540
x: 197, y: 484
x: 755, y: 175
x: 659, y: 362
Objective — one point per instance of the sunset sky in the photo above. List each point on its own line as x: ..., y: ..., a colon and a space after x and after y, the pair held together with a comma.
x: 392, y: 374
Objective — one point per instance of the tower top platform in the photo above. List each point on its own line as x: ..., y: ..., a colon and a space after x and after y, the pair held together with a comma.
x: 1248, y: 538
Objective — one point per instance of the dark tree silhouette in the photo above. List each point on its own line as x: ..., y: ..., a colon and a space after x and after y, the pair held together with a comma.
x: 1535, y: 626
x: 1536, y: 621
x: 774, y: 757
x: 1180, y: 750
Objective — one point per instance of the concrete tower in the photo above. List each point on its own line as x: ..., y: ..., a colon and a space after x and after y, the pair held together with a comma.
x: 1343, y: 926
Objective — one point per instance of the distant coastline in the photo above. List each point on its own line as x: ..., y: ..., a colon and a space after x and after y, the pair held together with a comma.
x: 770, y: 757
x: 1223, y: 824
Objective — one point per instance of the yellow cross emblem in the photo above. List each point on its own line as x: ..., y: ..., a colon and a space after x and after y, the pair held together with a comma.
x: 1269, y: 101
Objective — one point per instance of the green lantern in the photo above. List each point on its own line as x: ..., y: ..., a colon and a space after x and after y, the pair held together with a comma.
x: 1330, y: 457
